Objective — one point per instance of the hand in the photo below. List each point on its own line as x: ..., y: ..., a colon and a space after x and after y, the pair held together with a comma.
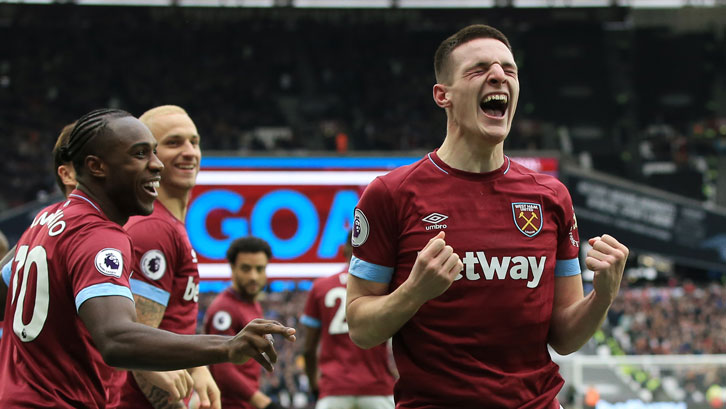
x: 177, y: 384
x: 254, y: 341
x: 606, y: 259
x: 206, y: 388
x: 435, y: 268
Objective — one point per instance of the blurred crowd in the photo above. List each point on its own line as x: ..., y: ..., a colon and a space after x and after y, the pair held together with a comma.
x: 296, y: 81
x: 679, y: 318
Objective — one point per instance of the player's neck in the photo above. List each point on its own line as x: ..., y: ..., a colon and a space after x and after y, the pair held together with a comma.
x: 106, y: 205
x: 242, y: 294
x: 176, y: 202
x: 476, y: 156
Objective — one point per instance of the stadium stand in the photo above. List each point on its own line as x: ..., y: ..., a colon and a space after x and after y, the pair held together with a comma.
x: 291, y: 80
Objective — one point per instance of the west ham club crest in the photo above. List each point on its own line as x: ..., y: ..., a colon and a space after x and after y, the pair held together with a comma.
x: 527, y: 218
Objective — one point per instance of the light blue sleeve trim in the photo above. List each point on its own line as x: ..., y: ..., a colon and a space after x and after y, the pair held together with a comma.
x: 6, y: 273
x: 310, y: 321
x: 149, y: 291
x: 567, y: 268
x: 102, y: 290
x: 369, y: 271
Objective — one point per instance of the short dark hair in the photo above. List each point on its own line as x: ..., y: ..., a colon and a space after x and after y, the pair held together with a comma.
x: 247, y: 244
x: 87, y: 127
x: 57, y: 160
x: 466, y: 34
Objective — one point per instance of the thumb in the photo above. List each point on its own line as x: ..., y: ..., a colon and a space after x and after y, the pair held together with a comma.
x: 441, y: 235
x: 204, y: 401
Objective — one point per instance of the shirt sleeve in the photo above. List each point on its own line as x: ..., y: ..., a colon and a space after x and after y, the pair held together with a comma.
x: 100, y: 264
x: 156, y: 256
x: 374, y: 234
x: 6, y: 272
x: 568, y: 240
x: 220, y: 321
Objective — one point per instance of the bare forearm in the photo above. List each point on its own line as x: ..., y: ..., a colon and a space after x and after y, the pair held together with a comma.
x: 573, y: 326
x: 311, y: 369
x: 137, y: 346
x: 372, y: 319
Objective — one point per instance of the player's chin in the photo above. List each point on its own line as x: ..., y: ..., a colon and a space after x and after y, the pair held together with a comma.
x: 253, y: 289
x: 145, y: 208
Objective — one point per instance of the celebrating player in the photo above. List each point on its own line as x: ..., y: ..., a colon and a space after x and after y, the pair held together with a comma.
x: 70, y: 313
x: 65, y: 177
x: 166, y: 286
x: 231, y: 311
x: 349, y: 377
x: 469, y: 260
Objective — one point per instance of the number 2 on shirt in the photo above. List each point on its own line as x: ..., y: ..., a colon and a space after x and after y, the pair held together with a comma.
x: 338, y: 325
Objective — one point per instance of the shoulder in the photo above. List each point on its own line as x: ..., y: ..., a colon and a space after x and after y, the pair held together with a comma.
x: 537, y: 180
x: 390, y: 184
x: 400, y: 175
x: 152, y: 222
x: 321, y: 284
x: 98, y: 227
x: 151, y: 226
x: 222, y: 300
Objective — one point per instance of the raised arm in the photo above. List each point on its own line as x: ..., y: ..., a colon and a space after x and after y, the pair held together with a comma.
x: 374, y: 315
x: 123, y: 342
x: 576, y: 317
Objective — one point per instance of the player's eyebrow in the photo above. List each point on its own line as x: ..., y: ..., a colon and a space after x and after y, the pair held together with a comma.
x: 179, y: 136
x: 487, y: 64
x: 143, y: 145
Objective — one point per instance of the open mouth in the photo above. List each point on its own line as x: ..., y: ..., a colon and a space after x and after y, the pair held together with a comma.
x: 151, y: 187
x: 187, y: 167
x: 495, y: 105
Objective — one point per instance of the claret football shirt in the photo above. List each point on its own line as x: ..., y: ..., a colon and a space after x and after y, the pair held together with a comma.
x: 483, y: 342
x: 344, y: 368
x: 71, y: 253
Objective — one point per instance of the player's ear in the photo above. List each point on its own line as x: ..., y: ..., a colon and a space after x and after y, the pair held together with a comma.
x: 66, y: 174
x: 441, y: 96
x: 96, y: 166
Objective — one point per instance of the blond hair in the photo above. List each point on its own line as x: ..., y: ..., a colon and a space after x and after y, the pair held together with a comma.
x: 148, y: 117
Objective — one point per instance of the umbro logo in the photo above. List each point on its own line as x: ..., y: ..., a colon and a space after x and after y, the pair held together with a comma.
x: 434, y: 219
